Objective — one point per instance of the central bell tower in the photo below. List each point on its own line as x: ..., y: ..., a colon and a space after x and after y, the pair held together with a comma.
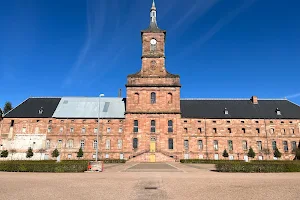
x: 153, y: 96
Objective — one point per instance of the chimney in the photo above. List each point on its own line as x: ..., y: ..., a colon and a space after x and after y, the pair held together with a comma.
x: 120, y: 93
x: 254, y: 99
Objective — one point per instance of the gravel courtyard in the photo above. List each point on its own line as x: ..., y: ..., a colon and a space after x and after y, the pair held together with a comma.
x: 149, y: 181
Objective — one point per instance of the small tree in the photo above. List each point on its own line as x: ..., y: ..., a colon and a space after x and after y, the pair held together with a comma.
x: 277, y: 153
x: 1, y: 113
x: 80, y: 153
x: 7, y: 107
x: 251, y: 153
x: 29, y: 153
x: 225, y: 154
x: 55, y: 153
x: 4, y: 154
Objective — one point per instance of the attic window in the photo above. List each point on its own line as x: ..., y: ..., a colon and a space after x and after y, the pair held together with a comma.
x: 214, y: 121
x: 84, y: 121
x: 228, y: 122
x: 185, y: 121
x: 41, y: 110
x: 242, y: 122
x: 226, y: 111
x: 50, y: 121
x: 256, y: 122
x: 282, y: 122
x: 61, y: 121
x: 271, y: 122
x: 291, y: 122
x: 73, y: 120
x: 278, y: 112
x: 37, y: 120
x: 199, y: 121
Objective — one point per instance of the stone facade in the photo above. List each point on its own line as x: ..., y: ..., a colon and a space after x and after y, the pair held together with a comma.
x: 153, y: 116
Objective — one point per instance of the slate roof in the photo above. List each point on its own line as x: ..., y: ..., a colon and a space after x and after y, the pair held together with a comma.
x: 88, y: 107
x: 239, y: 109
x: 31, y: 106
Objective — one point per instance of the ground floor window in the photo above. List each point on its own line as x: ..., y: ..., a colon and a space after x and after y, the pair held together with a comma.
x: 170, y: 143
x: 135, y: 143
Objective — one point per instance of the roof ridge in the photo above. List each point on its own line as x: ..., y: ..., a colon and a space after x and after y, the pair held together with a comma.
x: 228, y: 99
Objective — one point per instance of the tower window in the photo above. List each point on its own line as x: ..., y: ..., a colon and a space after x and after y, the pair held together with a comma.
x: 152, y: 126
x: 170, y: 143
x: 135, y: 143
x: 153, y: 43
x: 136, y: 98
x: 170, y: 126
x: 153, y: 97
x: 170, y: 98
x: 135, y: 126
x: 243, y: 130
x: 12, y: 122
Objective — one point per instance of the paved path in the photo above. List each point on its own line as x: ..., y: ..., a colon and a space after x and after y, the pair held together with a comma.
x: 189, y: 182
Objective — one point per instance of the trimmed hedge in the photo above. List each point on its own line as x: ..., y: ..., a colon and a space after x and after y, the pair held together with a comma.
x: 209, y: 161
x: 254, y: 167
x: 43, y: 166
x: 49, y: 165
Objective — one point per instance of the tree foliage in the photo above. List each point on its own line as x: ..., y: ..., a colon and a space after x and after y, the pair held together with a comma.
x: 80, y: 153
x: 29, y: 153
x: 4, y: 154
x: 277, y: 153
x: 55, y: 153
x: 297, y: 152
x: 251, y: 153
x: 1, y: 112
x: 7, y: 107
x: 225, y: 154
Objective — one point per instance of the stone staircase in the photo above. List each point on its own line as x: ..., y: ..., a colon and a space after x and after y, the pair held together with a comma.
x: 145, y: 157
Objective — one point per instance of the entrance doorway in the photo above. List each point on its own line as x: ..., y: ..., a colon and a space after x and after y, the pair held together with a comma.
x: 152, y: 149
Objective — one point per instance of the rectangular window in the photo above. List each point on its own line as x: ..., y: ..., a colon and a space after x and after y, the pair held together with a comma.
x: 170, y: 126
x: 200, y: 144
x: 47, y: 144
x: 59, y: 144
x: 95, y: 144
x: 108, y: 130
x: 152, y: 126
x: 243, y: 130
x: 259, y: 145
x: 186, y: 144
x: 70, y: 144
x: 214, y: 130
x: 245, y: 145
x: 199, y: 130
x: 292, y: 131
x: 12, y: 122
x: 274, y: 145
x: 135, y: 126
x: 49, y: 129
x: 135, y: 143
x: 95, y: 130
x: 257, y: 131
x: 230, y: 145
x: 24, y: 130
x: 83, y: 130
x: 170, y: 142
x: 283, y: 131
x: 185, y: 130
x: 107, y: 144
x: 72, y: 130
x: 61, y: 129
x: 216, y: 146
x: 120, y: 130
x: 120, y: 142
x: 294, y: 145
x: 229, y: 130
x: 106, y: 155
x: 82, y: 144
x: 285, y: 146
x: 272, y: 130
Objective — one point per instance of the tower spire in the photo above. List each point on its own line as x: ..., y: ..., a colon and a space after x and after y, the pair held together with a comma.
x: 153, y: 22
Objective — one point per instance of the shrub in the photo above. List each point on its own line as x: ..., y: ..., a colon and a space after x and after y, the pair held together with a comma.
x: 44, y: 166
x: 80, y: 153
x: 29, y: 153
x: 277, y: 153
x: 251, y: 153
x: 225, y: 154
x: 4, y: 154
x: 297, y: 152
x: 55, y: 153
x: 259, y: 167
x: 208, y: 161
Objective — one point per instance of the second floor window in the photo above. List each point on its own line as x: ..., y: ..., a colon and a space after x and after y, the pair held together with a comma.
x: 294, y: 145
x: 152, y: 126
x: 200, y: 144
x: 70, y: 144
x: 230, y: 145
x: 107, y: 144
x: 83, y: 130
x: 135, y: 143
x: 153, y: 97
x: 95, y: 144
x: 120, y: 142
x: 82, y: 144
x: 285, y: 146
x: 245, y: 146
x: 186, y: 144
x: 274, y: 146
x: 170, y: 126
x: 259, y: 145
x: 216, y: 146
x: 48, y: 144
x: 135, y: 126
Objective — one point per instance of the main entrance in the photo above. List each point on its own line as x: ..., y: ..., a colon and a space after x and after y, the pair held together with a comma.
x: 152, y: 149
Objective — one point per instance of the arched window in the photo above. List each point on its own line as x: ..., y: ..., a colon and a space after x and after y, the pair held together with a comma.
x: 136, y: 98
x: 153, y: 97
x: 170, y: 98
x: 153, y: 44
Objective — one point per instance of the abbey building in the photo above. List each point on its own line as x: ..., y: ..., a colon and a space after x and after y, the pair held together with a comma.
x: 152, y: 123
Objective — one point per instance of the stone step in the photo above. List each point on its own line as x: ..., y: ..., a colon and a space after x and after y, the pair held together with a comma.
x: 145, y: 157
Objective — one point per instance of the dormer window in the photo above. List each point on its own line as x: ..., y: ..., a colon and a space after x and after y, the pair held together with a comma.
x: 41, y: 110
x: 278, y: 112
x: 226, y: 111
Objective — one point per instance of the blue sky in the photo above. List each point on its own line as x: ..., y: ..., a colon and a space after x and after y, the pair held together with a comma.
x: 220, y: 48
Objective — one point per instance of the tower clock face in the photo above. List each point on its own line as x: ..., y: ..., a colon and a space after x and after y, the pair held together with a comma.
x: 153, y: 41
